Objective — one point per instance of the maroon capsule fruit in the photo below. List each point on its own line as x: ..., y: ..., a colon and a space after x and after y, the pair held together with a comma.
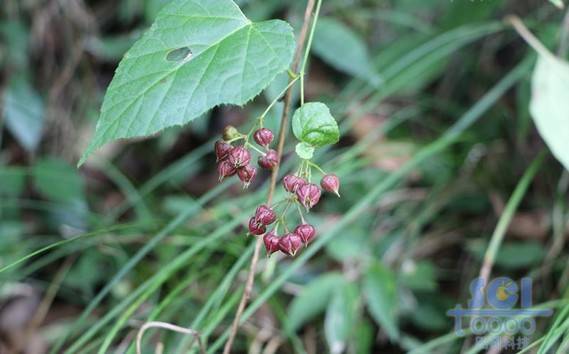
x: 309, y: 195
x: 256, y: 228
x: 225, y: 169
x: 222, y: 149
x: 265, y: 215
x: 263, y: 137
x: 306, y: 232
x: 272, y: 242
x: 246, y: 174
x: 269, y: 160
x: 239, y: 157
x: 291, y: 183
x: 290, y: 244
x: 331, y: 183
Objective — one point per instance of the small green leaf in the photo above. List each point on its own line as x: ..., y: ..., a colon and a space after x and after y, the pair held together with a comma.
x: 343, y: 49
x: 304, y: 151
x: 550, y: 103
x: 197, y: 55
x: 312, y: 300
x: 380, y: 289
x: 340, y: 317
x: 313, y: 124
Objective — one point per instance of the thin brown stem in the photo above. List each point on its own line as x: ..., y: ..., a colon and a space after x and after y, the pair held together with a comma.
x: 282, y: 138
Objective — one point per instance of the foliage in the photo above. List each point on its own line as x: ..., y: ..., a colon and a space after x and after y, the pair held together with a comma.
x: 425, y: 111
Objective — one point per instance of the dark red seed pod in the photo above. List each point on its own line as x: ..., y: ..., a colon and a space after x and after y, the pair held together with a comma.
x: 291, y: 183
x: 263, y: 137
x: 239, y: 157
x: 247, y: 174
x: 309, y: 195
x: 255, y: 228
x: 222, y: 149
x: 331, y: 183
x: 306, y: 232
x: 272, y: 242
x: 290, y: 244
x: 225, y: 169
x: 269, y: 160
x: 265, y: 215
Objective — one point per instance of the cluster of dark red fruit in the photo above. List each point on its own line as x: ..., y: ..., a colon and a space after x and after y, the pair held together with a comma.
x: 290, y: 243
x: 236, y: 159
x: 303, y: 192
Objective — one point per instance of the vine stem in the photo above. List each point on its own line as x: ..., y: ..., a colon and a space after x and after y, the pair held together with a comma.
x: 282, y: 138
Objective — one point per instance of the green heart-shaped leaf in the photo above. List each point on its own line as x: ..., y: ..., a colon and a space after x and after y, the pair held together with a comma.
x: 313, y: 124
x: 197, y: 55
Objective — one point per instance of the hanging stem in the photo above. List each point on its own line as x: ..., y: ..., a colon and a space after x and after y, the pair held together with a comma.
x: 282, y: 137
x: 310, y: 163
x: 255, y: 148
x: 283, y: 92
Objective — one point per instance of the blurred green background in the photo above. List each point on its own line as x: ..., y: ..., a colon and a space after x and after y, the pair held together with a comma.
x: 143, y: 231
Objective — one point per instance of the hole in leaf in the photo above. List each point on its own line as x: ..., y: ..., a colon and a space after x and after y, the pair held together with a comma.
x: 179, y: 54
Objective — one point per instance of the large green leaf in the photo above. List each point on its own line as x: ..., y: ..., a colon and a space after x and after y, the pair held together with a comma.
x: 314, y: 125
x: 380, y: 289
x: 197, y: 55
x: 549, y: 105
